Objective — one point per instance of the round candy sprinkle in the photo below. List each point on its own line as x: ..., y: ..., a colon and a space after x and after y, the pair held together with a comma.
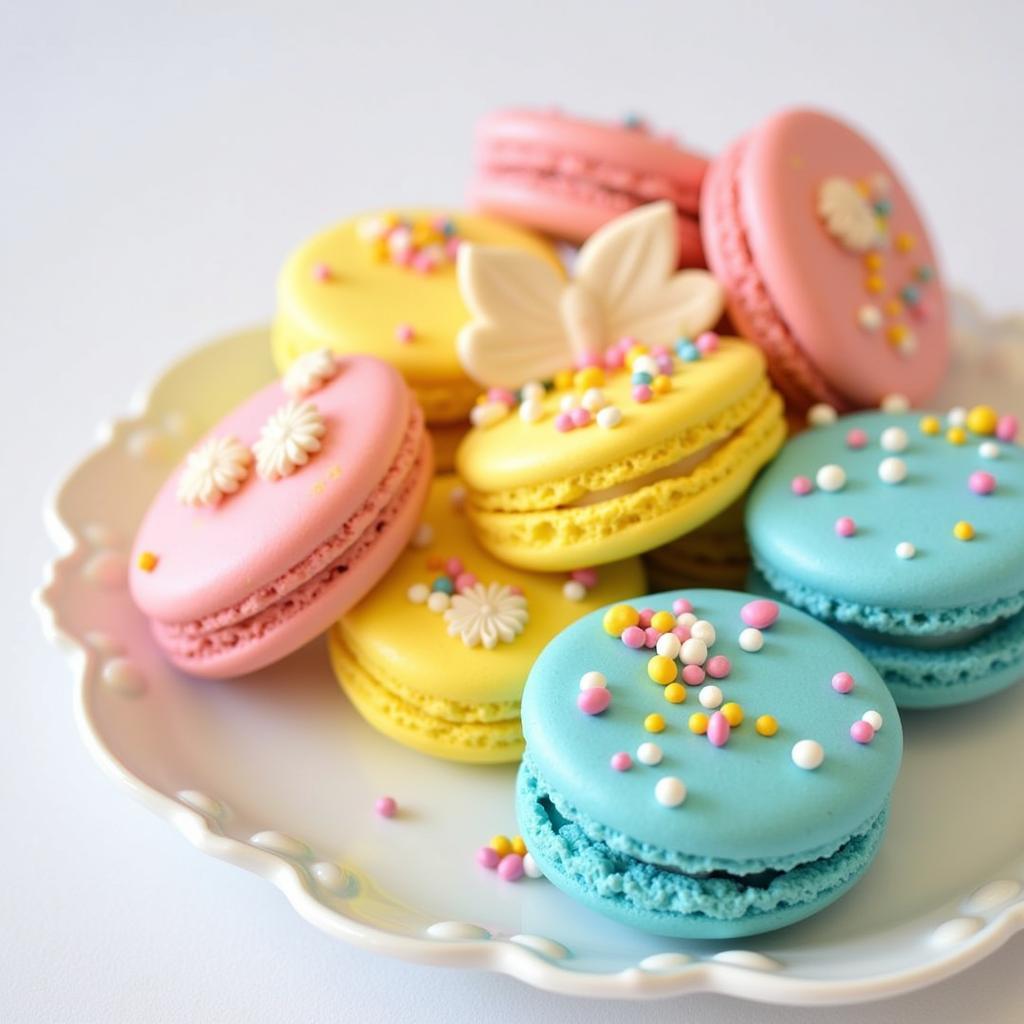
x: 956, y: 435
x: 609, y: 417
x: 592, y: 679
x: 963, y: 530
x: 663, y: 621
x: 511, y: 867
x: 766, y: 725
x: 488, y: 857
x: 322, y: 272
x: 733, y: 713
x: 988, y: 450
x: 649, y: 753
x: 930, y: 425
x: 895, y: 403
x: 680, y: 605
x: 861, y: 732
x: 957, y: 416
x: 703, y: 630
x: 831, y: 478
x: 646, y: 614
x: 418, y: 593
x: 588, y: 577
x: 710, y: 696
x: 563, y: 422
x: 531, y: 410
x: 518, y: 845
x: 593, y: 400
x: 594, y: 701
x: 981, y: 482
x: 856, y: 438
x: 662, y: 670
x: 892, y: 470
x: 905, y: 550
x: 618, y: 618
x: 686, y: 619
x: 718, y: 667
x: 580, y: 417
x: 532, y: 389
x: 651, y: 637
x: 698, y: 723
x: 1006, y: 428
x: 707, y: 343
x: 694, y: 652
x: 759, y: 614
x: 438, y: 601
x: 654, y: 723
x: 634, y: 636
x: 842, y: 682
x: 693, y: 675
x: 567, y: 404
x: 530, y: 868
x: 675, y: 693
x: 845, y: 527
x: 668, y: 645
x: 573, y: 590
x: 621, y: 761
x: 807, y: 754
x: 821, y: 415
x: 386, y: 806
x: 751, y: 640
x: 894, y: 439
x: 873, y: 718
x: 718, y: 729
x: 982, y: 419
x: 642, y: 393
x: 669, y: 791
x: 801, y: 485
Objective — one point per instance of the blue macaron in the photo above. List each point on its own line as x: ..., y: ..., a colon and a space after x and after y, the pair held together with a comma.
x: 905, y: 531
x: 750, y: 800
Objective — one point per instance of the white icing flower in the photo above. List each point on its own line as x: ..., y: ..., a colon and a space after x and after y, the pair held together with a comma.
x: 309, y: 373
x: 288, y: 438
x: 486, y: 614
x: 217, y: 467
x: 848, y: 215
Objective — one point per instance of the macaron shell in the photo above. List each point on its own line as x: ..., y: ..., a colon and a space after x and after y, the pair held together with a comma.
x: 211, y: 558
x: 818, y: 286
x: 746, y: 801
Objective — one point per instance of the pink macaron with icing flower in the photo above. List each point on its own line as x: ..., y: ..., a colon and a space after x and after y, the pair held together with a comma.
x: 827, y: 263
x: 283, y: 516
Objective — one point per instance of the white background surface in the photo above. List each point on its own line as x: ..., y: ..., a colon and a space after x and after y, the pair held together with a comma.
x: 155, y: 167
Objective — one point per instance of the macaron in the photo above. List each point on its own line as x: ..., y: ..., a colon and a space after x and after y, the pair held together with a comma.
x: 383, y: 284
x: 904, y: 530
x: 567, y: 176
x: 712, y: 809
x: 282, y: 516
x: 615, y: 419
x: 436, y: 655
x: 827, y: 263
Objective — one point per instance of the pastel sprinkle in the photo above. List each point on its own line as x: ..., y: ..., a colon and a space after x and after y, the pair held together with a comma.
x: 649, y: 753
x: 609, y: 417
x: 821, y: 415
x: 874, y: 719
x: 646, y: 614
x: 1006, y: 428
x: 733, y: 713
x: 930, y: 425
x: 861, y: 732
x: 147, y: 561
x: 751, y: 640
x: 618, y: 618
x: 895, y: 403
x: 905, y: 550
x: 592, y: 679
x: 710, y: 696
x: 842, y: 682
x: 981, y: 482
x: 662, y: 669
x: 892, y: 470
x: 694, y: 652
x: 760, y: 614
x: 956, y: 435
x: 675, y: 693
x: 573, y: 590
x: 322, y: 272
x: 670, y: 791
x: 563, y: 422
x: 588, y: 577
x: 707, y: 343
x: 681, y: 605
x: 669, y: 645
x: 642, y: 393
x: 718, y: 729
x: 386, y: 806
x: 418, y: 593
x: 594, y: 701
x: 693, y: 675
x: 488, y: 857
x: 663, y: 621
x: 982, y: 419
x: 807, y: 754
x: 845, y: 527
x: 856, y: 438
x: 654, y: 723
x: 651, y: 636
x: 894, y: 439
x: 580, y: 417
x: 405, y: 333
x: 963, y: 530
x: 621, y: 761
x: 801, y: 485
x: 698, y: 723
x: 530, y: 867
x: 766, y: 725
x: 511, y: 867
x: 831, y: 478
x: 634, y: 636
x: 989, y: 450
x: 718, y: 667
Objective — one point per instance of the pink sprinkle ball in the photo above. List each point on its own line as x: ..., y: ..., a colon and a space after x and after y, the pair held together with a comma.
x: 517, y: 591
x: 760, y: 614
x: 464, y: 581
x: 621, y: 761
x: 453, y: 566
x: 856, y: 438
x: 801, y: 485
x: 642, y: 393
x: 404, y: 333
x: 580, y: 417
x: 588, y: 360
x: 594, y: 701
x: 693, y: 675
x: 680, y: 606
x: 719, y: 729
x: 718, y: 667
x: 665, y: 365
x: 646, y: 614
x: 981, y: 482
x: 683, y: 632
x: 861, y: 731
x: 488, y: 857
x: 502, y: 395
x: 634, y: 636
x: 845, y: 526
x: 707, y: 343
x: 322, y: 272
x: 511, y: 866
x: 660, y: 350
x: 1006, y: 428
x: 386, y: 806
x: 588, y: 577
x: 652, y: 636
x: 842, y: 682
x: 614, y: 359
x: 563, y: 422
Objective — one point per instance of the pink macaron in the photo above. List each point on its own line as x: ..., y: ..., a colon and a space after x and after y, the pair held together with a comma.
x: 568, y: 176
x: 283, y: 516
x: 826, y: 263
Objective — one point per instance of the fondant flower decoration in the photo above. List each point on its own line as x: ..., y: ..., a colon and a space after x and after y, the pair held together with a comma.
x: 849, y: 216
x: 484, y: 614
x: 309, y: 373
x: 528, y: 322
x: 217, y: 467
x: 288, y: 439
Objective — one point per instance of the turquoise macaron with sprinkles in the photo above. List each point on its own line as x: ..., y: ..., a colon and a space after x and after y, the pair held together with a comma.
x: 705, y: 763
x: 906, y: 532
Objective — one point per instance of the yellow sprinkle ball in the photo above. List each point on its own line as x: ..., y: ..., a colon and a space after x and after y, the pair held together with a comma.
x: 896, y: 333
x: 563, y: 380
x: 894, y: 307
x: 590, y: 377
x: 874, y: 261
x: 147, y: 561
x: 875, y: 284
x: 518, y: 846
x: 733, y: 713
x: 379, y: 251
x: 904, y: 241
x: 662, y: 384
x: 634, y: 353
x: 482, y: 398
x: 956, y: 435
x: 982, y: 419
x: 619, y: 618
x: 654, y: 723
x: 662, y: 670
x: 766, y: 725
x: 675, y: 693
x: 501, y: 845
x: 663, y: 621
x: 963, y: 530
x: 698, y: 723
x: 930, y: 425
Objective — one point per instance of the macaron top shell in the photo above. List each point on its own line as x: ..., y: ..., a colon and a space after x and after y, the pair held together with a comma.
x: 797, y: 535
x: 212, y: 557
x: 415, y: 645
x: 867, y: 307
x: 746, y: 801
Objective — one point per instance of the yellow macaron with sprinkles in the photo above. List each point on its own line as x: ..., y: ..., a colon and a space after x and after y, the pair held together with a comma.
x: 615, y: 419
x: 384, y: 284
x: 436, y: 656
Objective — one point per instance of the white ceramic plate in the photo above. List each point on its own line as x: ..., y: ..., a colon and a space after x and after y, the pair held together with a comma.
x: 277, y: 774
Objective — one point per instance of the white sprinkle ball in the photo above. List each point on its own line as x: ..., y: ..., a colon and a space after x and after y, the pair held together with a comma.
x: 424, y: 536
x: 751, y: 639
x: 686, y: 619
x: 457, y: 497
x: 988, y: 450
x: 710, y: 696
x: 831, y: 478
x: 593, y: 680
x: 531, y: 410
x: 573, y: 590
x: 568, y: 403
x: 593, y: 400
x: 645, y: 364
x: 892, y: 470
x: 648, y: 753
x: 670, y: 791
x: 821, y: 415
x: 669, y: 645
x: 532, y: 389
x: 530, y: 868
x: 873, y: 718
x: 957, y: 416
x: 418, y: 593
x: 703, y: 630
x: 895, y: 403
x: 694, y: 652
x: 609, y: 417
x: 894, y: 439
x: 438, y: 601
x: 905, y: 549
x: 487, y: 414
x: 808, y: 754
